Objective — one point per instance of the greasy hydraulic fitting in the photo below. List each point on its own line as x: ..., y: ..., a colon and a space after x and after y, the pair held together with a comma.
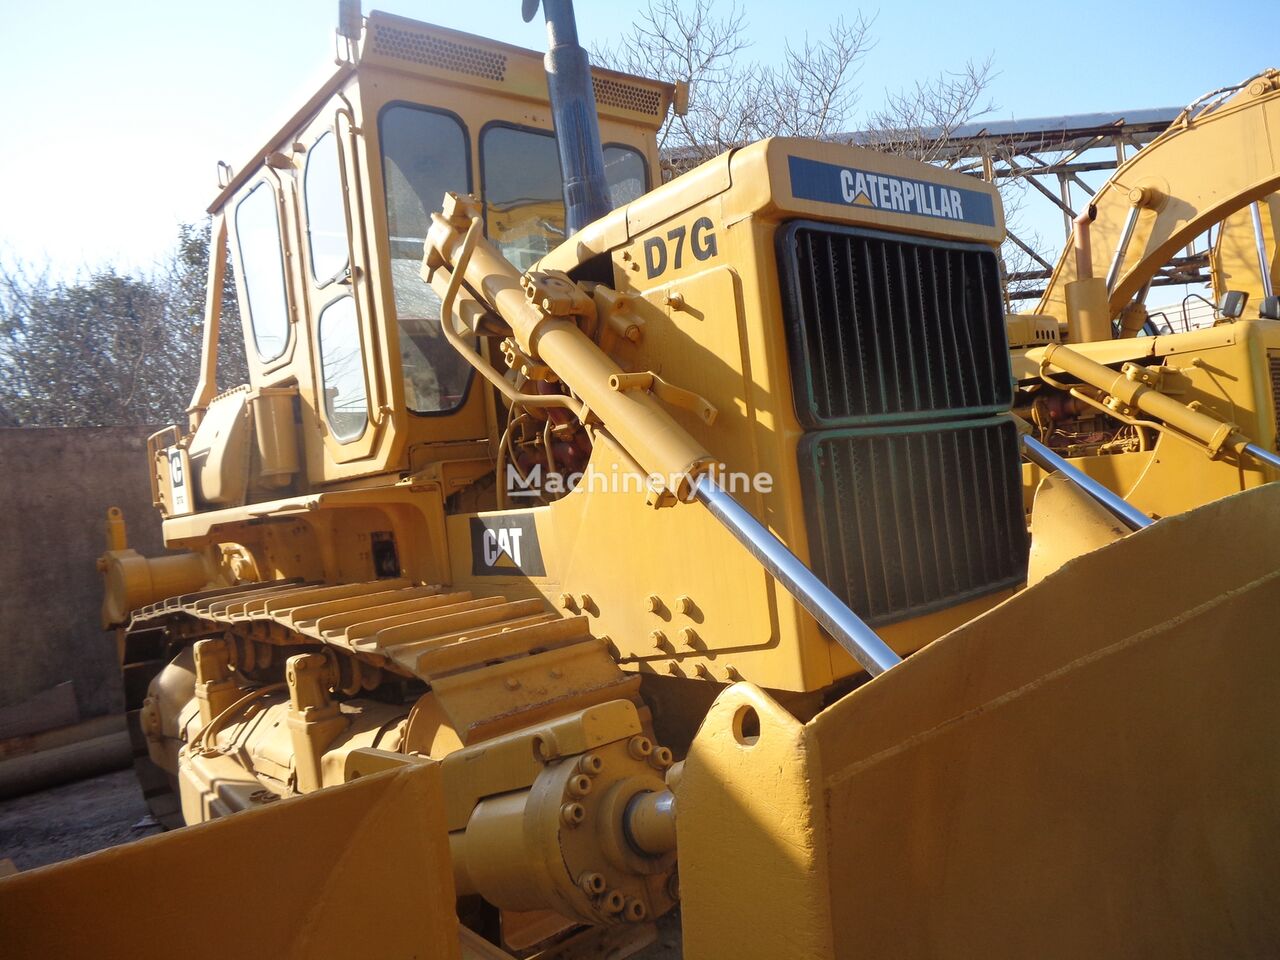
x: 592, y: 836
x: 550, y: 318
x: 1132, y: 389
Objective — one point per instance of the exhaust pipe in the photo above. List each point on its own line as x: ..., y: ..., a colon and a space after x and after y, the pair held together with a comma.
x: 1088, y: 313
x: 573, y: 110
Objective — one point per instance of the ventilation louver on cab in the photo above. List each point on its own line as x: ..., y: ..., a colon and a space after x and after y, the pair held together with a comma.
x: 626, y: 96
x: 433, y: 51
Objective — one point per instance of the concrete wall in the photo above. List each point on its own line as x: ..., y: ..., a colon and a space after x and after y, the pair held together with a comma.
x: 55, y: 487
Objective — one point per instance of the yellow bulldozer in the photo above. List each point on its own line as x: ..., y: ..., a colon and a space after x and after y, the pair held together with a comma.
x: 584, y: 546
x: 1165, y: 415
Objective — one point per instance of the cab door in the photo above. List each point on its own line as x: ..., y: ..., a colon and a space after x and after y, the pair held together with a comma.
x: 354, y: 430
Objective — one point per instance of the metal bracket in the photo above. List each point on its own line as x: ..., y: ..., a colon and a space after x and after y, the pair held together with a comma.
x: 666, y: 392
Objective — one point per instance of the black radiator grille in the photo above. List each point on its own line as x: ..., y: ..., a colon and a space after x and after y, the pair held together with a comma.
x: 905, y: 520
x: 1273, y: 367
x: 891, y: 327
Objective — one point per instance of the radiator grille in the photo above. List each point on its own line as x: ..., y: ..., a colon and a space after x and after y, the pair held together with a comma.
x: 438, y: 52
x: 1273, y: 361
x: 882, y: 327
x: 911, y: 519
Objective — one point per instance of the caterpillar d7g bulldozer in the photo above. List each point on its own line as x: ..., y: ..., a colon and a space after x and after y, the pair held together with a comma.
x: 583, y: 546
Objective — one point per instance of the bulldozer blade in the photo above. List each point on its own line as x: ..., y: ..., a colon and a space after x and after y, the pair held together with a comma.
x: 1088, y: 770
x: 358, y: 870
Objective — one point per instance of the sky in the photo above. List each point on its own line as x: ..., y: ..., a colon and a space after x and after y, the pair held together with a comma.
x: 119, y: 111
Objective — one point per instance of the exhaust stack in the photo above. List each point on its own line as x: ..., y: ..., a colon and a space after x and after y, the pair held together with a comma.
x: 573, y: 110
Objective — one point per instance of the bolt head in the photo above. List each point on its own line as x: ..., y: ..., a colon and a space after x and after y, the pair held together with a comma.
x: 573, y: 814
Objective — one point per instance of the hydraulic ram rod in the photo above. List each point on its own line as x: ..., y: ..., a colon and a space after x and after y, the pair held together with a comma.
x: 1260, y: 240
x: 1262, y: 455
x: 1043, y: 457
x: 863, y: 644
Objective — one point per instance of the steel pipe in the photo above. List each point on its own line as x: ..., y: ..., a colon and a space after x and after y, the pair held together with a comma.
x: 1263, y: 455
x: 832, y: 614
x: 1045, y: 458
x: 1260, y: 240
x: 1122, y: 247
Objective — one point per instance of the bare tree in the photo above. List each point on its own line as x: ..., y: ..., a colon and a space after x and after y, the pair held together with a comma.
x: 110, y: 349
x: 734, y: 99
x: 920, y: 122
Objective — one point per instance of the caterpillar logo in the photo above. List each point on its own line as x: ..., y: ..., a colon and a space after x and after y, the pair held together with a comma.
x: 907, y: 196
x: 506, y: 546
x: 178, y: 481
x: 849, y: 186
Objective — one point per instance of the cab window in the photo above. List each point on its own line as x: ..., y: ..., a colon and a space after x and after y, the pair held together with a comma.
x: 524, y: 192
x: 342, y: 370
x: 424, y: 155
x: 524, y: 206
x: 326, y: 211
x: 257, y: 225
x: 627, y: 174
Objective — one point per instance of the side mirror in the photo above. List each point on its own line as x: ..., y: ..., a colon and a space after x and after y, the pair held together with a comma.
x: 1270, y: 308
x: 1231, y: 306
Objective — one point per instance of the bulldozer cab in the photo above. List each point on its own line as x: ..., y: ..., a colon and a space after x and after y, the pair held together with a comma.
x: 325, y: 227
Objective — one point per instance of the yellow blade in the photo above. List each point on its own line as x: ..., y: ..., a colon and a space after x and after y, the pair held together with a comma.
x: 360, y: 870
x: 1090, y: 770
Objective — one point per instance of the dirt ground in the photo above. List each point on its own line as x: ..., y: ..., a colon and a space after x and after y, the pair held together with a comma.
x: 73, y: 820
x: 79, y: 818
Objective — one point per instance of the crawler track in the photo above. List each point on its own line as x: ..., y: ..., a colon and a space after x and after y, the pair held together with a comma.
x: 492, y: 663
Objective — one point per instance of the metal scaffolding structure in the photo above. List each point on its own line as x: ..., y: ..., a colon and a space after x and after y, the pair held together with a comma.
x: 1053, y: 157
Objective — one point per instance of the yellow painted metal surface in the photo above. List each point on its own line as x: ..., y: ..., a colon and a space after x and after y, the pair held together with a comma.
x: 361, y: 870
x: 713, y: 326
x: 1018, y: 768
x: 1066, y: 523
x: 1087, y: 770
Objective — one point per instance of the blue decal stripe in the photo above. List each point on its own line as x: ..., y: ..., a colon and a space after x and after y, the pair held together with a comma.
x: 850, y: 186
